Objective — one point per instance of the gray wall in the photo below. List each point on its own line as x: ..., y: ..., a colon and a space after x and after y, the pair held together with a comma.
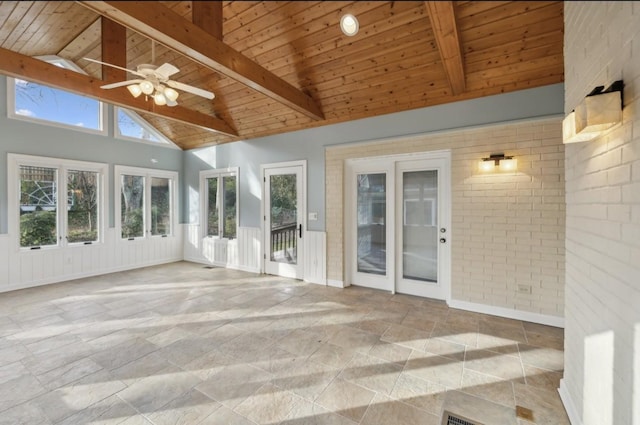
x: 310, y: 144
x: 21, y: 137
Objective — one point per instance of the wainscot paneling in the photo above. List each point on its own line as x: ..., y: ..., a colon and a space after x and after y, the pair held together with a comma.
x: 315, y: 253
x: 241, y: 253
x: 24, y: 269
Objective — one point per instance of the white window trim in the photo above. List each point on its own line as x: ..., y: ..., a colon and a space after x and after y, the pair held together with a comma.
x: 135, y: 117
x: 14, y: 161
x: 147, y: 173
x: 204, y: 201
x: 62, y: 63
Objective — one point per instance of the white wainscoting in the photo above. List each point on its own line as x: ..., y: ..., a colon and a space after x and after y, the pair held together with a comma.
x: 315, y: 261
x: 242, y: 253
x: 24, y: 269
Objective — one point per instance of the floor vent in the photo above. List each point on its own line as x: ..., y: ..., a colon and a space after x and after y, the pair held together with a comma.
x: 449, y: 418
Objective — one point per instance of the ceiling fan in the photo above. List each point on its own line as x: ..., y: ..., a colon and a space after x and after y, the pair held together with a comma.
x: 154, y: 81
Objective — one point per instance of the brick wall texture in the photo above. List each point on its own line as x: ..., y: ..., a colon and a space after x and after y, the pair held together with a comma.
x: 602, y: 319
x: 506, y: 229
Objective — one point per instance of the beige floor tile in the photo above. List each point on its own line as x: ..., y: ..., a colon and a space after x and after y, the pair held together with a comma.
x: 333, y: 355
x: 420, y: 393
x: 24, y: 414
x: 305, y: 377
x: 308, y: 413
x: 188, y: 344
x: 190, y: 408
x: 545, y: 404
x: 478, y: 409
x: 226, y: 416
x: 270, y: 404
x: 503, y: 366
x: 371, y: 372
x: 384, y: 410
x: 233, y: 384
x: 407, y: 337
x: 440, y: 370
x: 346, y: 399
x: 488, y: 387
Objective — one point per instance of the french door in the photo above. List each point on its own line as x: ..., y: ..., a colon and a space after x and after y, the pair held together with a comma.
x: 397, y: 224
x: 284, y: 212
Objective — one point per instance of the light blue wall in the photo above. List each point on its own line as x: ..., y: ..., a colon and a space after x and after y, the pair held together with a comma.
x: 310, y: 144
x: 27, y: 138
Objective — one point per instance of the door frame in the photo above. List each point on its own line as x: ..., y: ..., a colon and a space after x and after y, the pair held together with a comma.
x: 445, y: 211
x: 263, y: 237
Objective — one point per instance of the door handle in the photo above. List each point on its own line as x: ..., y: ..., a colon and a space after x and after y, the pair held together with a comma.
x: 442, y: 240
x: 300, y: 229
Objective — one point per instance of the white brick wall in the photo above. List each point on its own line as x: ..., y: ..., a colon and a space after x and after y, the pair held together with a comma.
x: 506, y: 229
x: 603, y: 221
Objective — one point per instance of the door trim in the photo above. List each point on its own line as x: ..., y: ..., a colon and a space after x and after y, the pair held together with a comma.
x: 446, y: 210
x: 263, y: 241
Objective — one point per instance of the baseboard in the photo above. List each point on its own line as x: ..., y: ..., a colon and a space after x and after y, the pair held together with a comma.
x: 223, y: 265
x: 526, y: 316
x: 68, y: 278
x: 569, y: 406
x: 335, y: 283
x: 316, y: 282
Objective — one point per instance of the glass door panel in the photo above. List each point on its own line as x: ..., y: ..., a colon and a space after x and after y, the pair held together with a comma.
x: 284, y: 218
x: 371, y: 213
x: 419, y: 227
x: 283, y: 221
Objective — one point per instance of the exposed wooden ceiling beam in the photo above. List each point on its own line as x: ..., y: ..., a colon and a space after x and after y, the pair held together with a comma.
x: 168, y: 28
x: 208, y: 16
x: 443, y: 22
x: 114, y: 50
x: 20, y: 66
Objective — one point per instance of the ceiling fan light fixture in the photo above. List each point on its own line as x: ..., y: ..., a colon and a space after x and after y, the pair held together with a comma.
x: 146, y: 87
x: 349, y: 25
x: 159, y: 99
x: 170, y: 94
x: 134, y: 89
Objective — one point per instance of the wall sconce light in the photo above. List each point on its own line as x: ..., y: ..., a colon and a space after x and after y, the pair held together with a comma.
x: 504, y: 163
x: 599, y: 111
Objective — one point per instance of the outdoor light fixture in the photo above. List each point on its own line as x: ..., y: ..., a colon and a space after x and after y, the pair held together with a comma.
x: 599, y: 111
x: 504, y: 163
x: 349, y: 25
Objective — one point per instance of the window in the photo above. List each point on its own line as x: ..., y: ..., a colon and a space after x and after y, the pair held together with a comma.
x: 58, y: 202
x: 131, y: 126
x: 146, y: 204
x: 219, y: 200
x: 40, y: 103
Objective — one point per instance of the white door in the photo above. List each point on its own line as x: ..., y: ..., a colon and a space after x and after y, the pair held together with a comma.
x: 284, y: 220
x: 397, y: 223
x: 422, y: 228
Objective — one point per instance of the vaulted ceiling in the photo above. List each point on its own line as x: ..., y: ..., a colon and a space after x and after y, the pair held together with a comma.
x: 279, y: 66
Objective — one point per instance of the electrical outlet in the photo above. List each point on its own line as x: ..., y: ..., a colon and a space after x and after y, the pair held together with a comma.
x: 524, y: 289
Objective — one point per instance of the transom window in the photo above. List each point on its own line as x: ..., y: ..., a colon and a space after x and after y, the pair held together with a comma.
x: 131, y: 126
x: 59, y: 202
x: 41, y: 103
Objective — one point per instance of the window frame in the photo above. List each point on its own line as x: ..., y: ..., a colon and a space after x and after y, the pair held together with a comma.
x: 62, y: 166
x: 204, y: 200
x: 66, y: 64
x: 135, y: 117
x: 147, y: 174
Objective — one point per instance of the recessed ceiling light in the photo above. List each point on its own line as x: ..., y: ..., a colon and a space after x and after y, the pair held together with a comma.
x: 349, y: 25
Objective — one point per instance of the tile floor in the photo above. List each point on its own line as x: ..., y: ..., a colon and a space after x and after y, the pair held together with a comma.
x: 186, y: 344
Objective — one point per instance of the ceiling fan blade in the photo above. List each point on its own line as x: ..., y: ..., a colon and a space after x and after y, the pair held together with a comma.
x: 120, y: 84
x: 116, y: 67
x: 166, y: 70
x: 190, y: 89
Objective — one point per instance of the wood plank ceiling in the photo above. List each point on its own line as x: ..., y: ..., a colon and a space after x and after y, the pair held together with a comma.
x: 406, y: 55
